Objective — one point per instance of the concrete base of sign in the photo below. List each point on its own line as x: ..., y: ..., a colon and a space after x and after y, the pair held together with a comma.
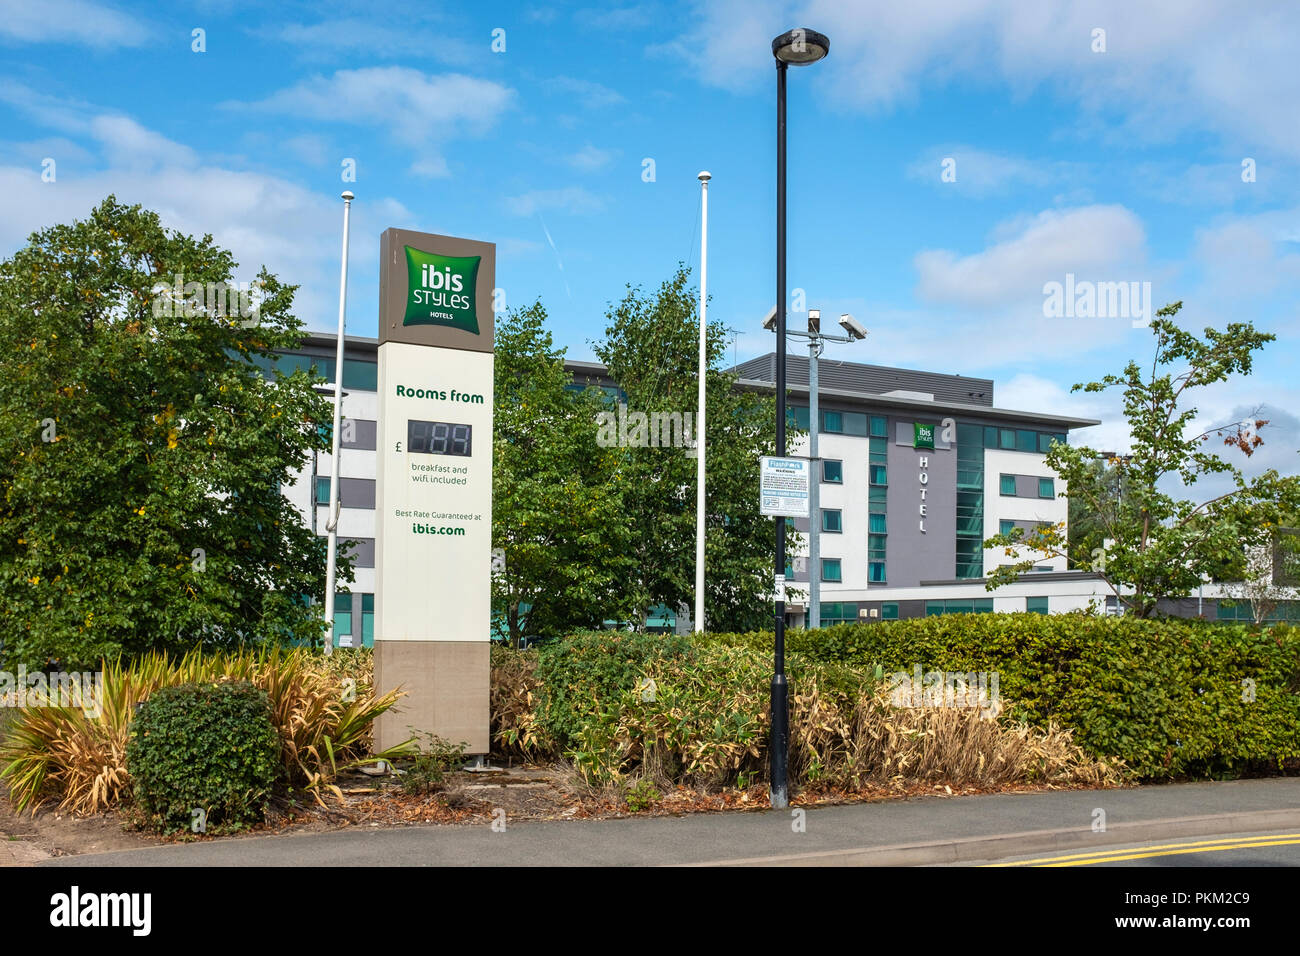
x: 447, y: 685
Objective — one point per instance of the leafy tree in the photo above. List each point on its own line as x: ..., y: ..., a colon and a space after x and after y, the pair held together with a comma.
x: 1156, y: 545
x: 558, y: 516
x: 142, y: 450
x: 651, y: 348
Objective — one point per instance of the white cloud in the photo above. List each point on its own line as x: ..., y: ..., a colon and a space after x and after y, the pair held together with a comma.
x: 589, y: 94
x: 416, y: 107
x: 309, y: 148
x: 979, y: 172
x: 590, y: 158
x: 261, y: 218
x: 573, y: 199
x: 1169, y: 66
x: 78, y: 22
x: 1243, y: 259
x: 330, y: 39
x: 1108, y: 240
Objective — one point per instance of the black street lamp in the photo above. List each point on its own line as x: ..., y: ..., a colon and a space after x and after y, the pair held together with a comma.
x: 798, y: 47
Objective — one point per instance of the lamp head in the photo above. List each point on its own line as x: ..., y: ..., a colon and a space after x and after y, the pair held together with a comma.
x: 800, y: 46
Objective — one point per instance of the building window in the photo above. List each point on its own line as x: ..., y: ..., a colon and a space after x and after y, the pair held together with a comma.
x: 879, y: 475
x: 831, y: 570
x: 833, y: 472
x: 833, y: 422
x: 1046, y: 488
x: 1005, y: 526
x: 876, y: 524
x: 1007, y: 438
x: 889, y: 611
x: 343, y: 619
x: 1007, y: 485
x: 834, y: 612
x: 832, y: 521
x: 876, y: 572
x: 959, y: 606
x: 1026, y: 440
x: 362, y: 551
x: 1036, y: 605
x: 879, y: 427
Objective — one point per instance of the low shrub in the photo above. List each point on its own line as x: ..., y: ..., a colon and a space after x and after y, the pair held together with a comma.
x: 701, y: 717
x: 322, y: 708
x: 203, y: 752
x: 577, y: 675
x: 436, y: 759
x: 1168, y: 697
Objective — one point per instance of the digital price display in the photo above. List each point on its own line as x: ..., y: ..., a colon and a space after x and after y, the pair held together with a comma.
x: 438, y: 438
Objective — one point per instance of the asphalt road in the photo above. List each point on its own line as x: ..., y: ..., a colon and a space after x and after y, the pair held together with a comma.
x: 952, y: 830
x: 1271, y: 848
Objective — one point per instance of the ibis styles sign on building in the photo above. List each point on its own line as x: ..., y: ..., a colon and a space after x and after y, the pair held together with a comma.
x: 433, y: 495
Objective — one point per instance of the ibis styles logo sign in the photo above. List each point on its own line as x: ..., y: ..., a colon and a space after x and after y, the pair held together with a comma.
x: 923, y: 436
x: 440, y: 290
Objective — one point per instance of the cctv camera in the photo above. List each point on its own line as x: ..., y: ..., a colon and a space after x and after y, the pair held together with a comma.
x: 769, y: 323
x: 852, y: 326
x: 814, y: 321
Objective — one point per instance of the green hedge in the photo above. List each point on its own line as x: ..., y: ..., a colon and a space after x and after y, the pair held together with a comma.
x: 1169, y: 697
x: 204, y: 747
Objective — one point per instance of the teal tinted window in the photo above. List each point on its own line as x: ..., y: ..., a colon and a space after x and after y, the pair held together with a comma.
x: 1026, y: 440
x: 1006, y: 527
x: 833, y: 472
x: 1036, y: 605
x: 832, y: 521
x: 878, y: 451
x: 879, y: 475
x: 1007, y: 485
x: 879, y: 427
x: 855, y: 423
x: 877, y: 524
x: 797, y: 415
x: 876, y: 572
x: 1046, y: 488
x: 1007, y: 438
x: 990, y: 437
x: 833, y: 422
x: 363, y: 376
x: 831, y: 570
x: 934, y: 608
x: 322, y: 490
x: 876, y: 497
x: 982, y: 606
x: 889, y: 611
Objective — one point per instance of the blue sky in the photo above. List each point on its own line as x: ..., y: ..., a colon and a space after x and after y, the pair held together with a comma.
x: 1117, y: 165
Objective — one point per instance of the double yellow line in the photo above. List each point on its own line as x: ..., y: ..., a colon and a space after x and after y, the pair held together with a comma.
x: 1168, y: 849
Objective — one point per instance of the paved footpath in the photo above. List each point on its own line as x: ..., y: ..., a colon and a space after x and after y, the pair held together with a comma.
x: 914, y: 832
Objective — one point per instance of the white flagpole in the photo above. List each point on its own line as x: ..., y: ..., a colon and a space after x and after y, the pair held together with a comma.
x: 704, y: 178
x: 332, y: 524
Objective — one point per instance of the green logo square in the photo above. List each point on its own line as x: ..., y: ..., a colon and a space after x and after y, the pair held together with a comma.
x: 923, y: 436
x: 440, y: 290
